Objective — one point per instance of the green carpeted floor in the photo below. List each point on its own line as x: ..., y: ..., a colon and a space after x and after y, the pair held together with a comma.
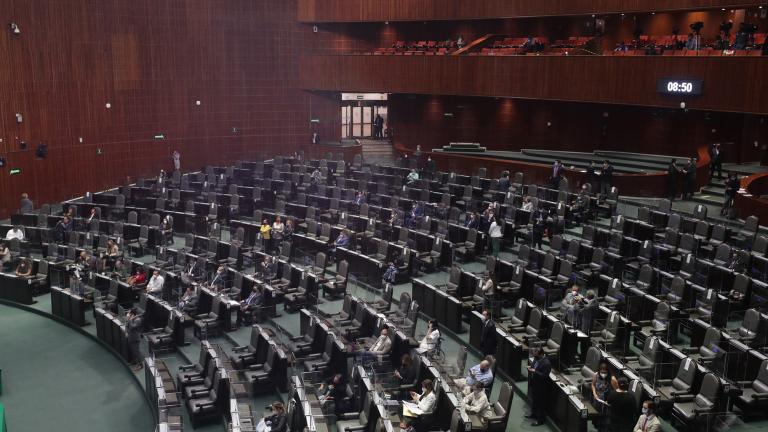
x: 55, y: 379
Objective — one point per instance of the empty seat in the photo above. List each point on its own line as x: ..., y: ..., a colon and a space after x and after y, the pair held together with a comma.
x: 689, y: 409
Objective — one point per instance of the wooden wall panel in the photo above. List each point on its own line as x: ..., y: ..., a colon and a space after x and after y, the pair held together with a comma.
x: 426, y: 10
x: 151, y: 60
x: 616, y: 80
x: 516, y: 124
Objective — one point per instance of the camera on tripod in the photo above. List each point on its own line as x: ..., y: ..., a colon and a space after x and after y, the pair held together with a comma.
x: 697, y: 26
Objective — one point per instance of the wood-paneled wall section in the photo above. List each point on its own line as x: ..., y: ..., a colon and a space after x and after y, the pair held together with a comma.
x: 512, y: 125
x: 348, y: 38
x: 152, y: 61
x: 427, y: 10
x: 730, y: 83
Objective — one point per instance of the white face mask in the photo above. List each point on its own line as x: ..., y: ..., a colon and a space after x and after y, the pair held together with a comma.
x: 603, y: 375
x: 645, y: 410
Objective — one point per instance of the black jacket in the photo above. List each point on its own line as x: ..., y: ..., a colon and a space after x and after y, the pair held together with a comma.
x: 278, y: 422
x: 488, y: 338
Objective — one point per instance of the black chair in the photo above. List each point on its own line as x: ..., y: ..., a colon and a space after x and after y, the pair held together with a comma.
x: 754, y: 394
x: 337, y: 285
x: 210, y: 405
x: 692, y: 410
x: 161, y: 340
x: 209, y: 323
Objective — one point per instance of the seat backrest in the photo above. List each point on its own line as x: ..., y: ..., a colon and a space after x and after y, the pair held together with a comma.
x: 556, y: 334
x: 534, y: 322
x: 591, y: 362
x: 343, y: 268
x: 686, y: 374
x: 710, y: 390
x: 505, y: 397
x: 472, y: 236
x: 712, y: 337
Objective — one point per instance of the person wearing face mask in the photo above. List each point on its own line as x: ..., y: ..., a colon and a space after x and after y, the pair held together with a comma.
x: 570, y: 305
x: 538, y: 373
x: 622, y: 408
x: 477, y: 403
x: 429, y: 342
x: 603, y: 384
x: 648, y: 422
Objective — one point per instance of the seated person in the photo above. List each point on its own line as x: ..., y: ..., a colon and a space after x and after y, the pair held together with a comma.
x: 472, y: 222
x: 391, y: 273
x: 479, y: 373
x: 110, y: 255
x: 570, y: 304
x: 406, y: 373
x: 24, y: 269
x: 527, y: 204
x: 219, y: 280
x: 380, y: 348
x: 416, y: 216
x: 359, y: 198
x: 188, y: 302
x: 194, y: 272
x: 277, y: 422
x: 250, y: 304
x: 5, y: 256
x: 477, y: 403
x: 413, y: 177
x: 341, y: 241
x: 155, y: 285
x: 138, y: 277
x: 63, y: 227
x: 441, y: 212
x: 332, y: 392
x: 430, y: 340
x: 268, y: 269
x: 587, y: 311
x: 423, y: 403
x: 15, y: 233
x: 580, y: 209
x: 407, y: 426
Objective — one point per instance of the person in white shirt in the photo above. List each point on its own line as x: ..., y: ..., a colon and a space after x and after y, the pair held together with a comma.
x: 413, y: 176
x: 15, y: 233
x: 494, y: 232
x: 278, y: 229
x: 155, y: 285
x: 477, y: 403
x: 527, y: 204
x: 380, y: 348
x: 429, y: 342
x: 176, y: 160
x: 423, y: 403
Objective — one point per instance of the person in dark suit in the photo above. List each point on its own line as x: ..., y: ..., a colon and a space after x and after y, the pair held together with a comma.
x: 606, y: 178
x: 539, y: 383
x: 488, y: 336
x: 557, y: 174
x: 504, y: 182
x: 716, y: 163
x: 622, y: 408
x: 26, y: 205
x: 732, y: 186
x: 672, y: 171
x: 406, y: 374
x: 133, y: 327
x: 473, y: 222
x: 188, y: 302
x: 251, y: 304
x: 591, y: 176
x: 690, y: 179
x: 277, y: 421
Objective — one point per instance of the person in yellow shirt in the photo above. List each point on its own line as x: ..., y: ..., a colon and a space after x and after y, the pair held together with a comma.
x: 265, y: 232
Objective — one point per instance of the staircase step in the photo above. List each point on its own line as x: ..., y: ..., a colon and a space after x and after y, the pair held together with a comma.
x: 708, y: 199
x: 714, y: 191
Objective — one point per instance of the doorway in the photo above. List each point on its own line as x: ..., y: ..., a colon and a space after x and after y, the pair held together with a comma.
x: 359, y: 112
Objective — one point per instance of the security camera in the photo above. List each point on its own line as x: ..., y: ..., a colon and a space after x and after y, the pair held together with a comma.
x: 682, y: 105
x: 15, y: 28
x: 19, y: 118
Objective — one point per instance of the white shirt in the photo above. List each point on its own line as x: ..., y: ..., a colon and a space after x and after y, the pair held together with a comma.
x: 427, y: 403
x: 477, y: 403
x: 382, y: 345
x: 14, y: 233
x: 155, y: 284
x: 528, y: 206
x: 176, y: 161
x: 430, y: 341
x: 495, y: 230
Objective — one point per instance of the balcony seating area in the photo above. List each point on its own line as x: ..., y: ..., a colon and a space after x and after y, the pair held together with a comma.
x: 424, y: 47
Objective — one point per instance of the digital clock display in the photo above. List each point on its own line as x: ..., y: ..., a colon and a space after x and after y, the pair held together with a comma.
x: 679, y: 86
